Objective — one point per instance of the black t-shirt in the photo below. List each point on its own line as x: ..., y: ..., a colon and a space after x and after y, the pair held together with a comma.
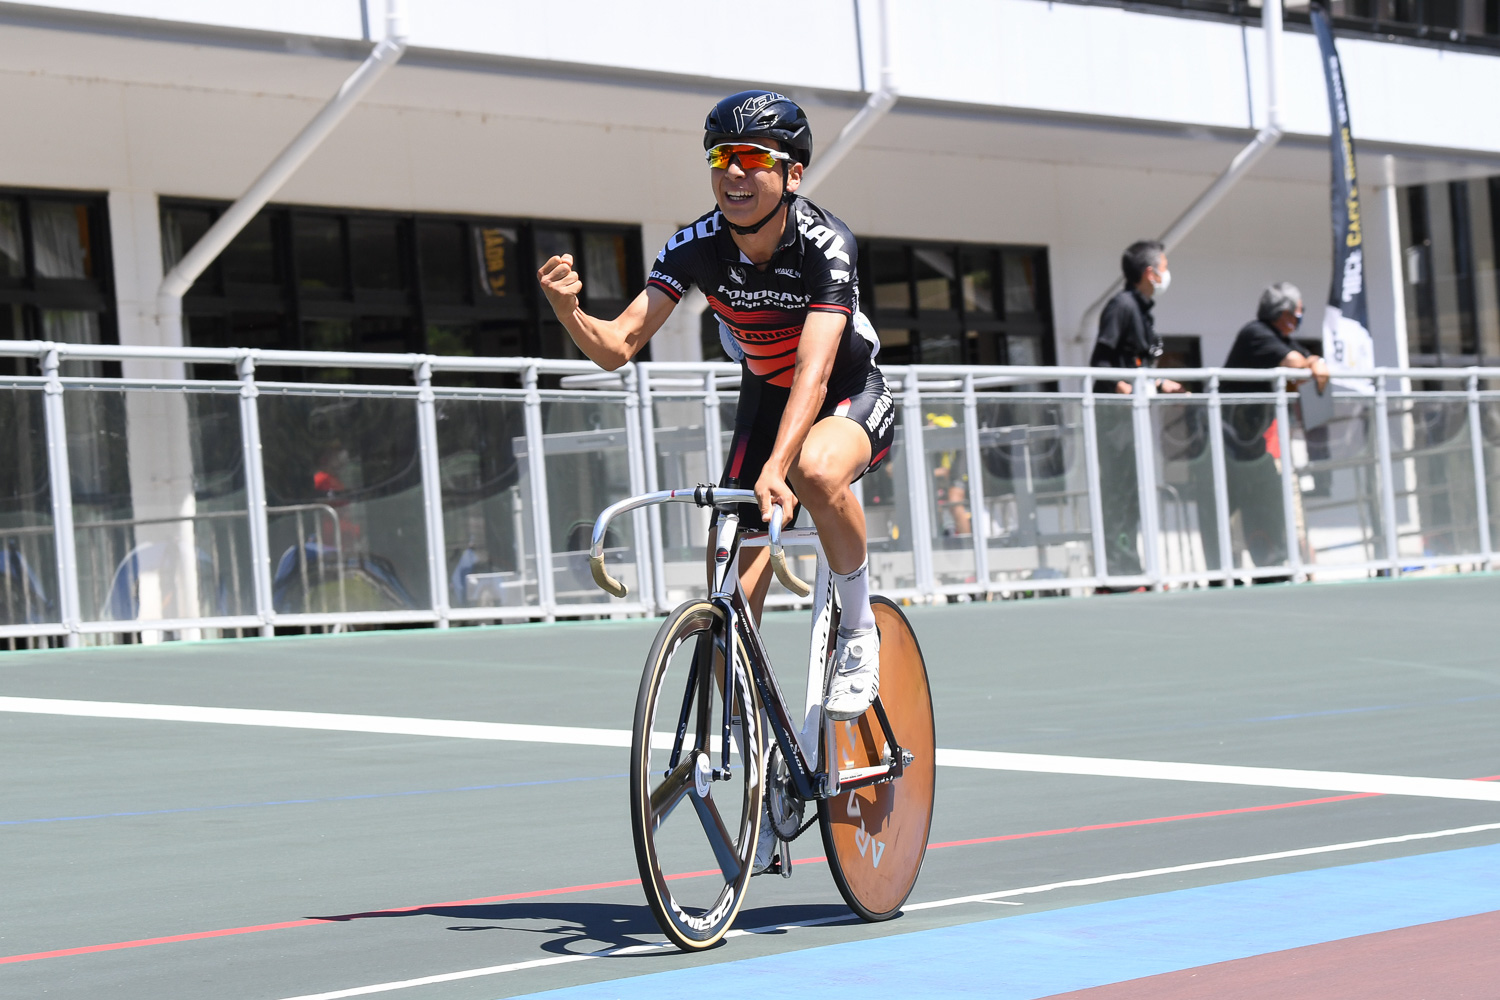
x: 1127, y: 335
x: 812, y: 270
x: 1257, y: 345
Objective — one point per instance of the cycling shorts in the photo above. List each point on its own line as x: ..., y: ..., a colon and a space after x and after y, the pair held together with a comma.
x: 758, y: 418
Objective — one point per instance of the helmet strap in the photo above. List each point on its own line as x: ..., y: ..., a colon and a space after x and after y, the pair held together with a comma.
x: 754, y: 228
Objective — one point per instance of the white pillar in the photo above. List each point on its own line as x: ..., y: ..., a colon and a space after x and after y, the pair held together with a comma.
x: 161, y: 457
x: 1385, y: 281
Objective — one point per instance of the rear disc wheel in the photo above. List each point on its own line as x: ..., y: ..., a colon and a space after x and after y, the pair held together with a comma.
x: 876, y: 836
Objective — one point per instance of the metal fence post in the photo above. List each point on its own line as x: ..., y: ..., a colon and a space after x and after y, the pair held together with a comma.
x: 1387, y: 476
x: 978, y: 516
x: 713, y: 431
x: 1288, y: 481
x: 432, y: 491
x: 1221, y: 477
x: 1145, y: 478
x: 65, y: 544
x: 916, y: 475
x: 653, y: 483
x: 1481, y: 487
x: 1091, y: 473
x: 541, y: 523
x: 255, y: 496
x: 637, y: 461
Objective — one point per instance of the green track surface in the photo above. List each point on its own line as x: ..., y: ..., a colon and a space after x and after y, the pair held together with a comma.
x: 236, y: 827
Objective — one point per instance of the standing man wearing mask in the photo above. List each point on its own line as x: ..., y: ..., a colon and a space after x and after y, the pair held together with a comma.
x: 1128, y: 340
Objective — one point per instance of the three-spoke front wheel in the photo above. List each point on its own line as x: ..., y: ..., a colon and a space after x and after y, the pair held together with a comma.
x: 695, y: 830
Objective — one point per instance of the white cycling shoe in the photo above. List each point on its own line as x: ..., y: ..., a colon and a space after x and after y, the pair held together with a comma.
x: 765, y: 848
x: 856, y: 675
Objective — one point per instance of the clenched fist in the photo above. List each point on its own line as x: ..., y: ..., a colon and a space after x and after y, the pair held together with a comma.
x: 561, y: 283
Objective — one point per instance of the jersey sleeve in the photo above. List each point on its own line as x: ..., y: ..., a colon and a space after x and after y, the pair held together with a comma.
x: 829, y: 268
x: 675, y: 268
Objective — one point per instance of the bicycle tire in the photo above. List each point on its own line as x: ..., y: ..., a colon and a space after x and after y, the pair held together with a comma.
x: 876, y: 836
x: 697, y: 912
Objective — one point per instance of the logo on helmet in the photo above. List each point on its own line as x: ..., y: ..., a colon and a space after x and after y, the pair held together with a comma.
x: 745, y: 114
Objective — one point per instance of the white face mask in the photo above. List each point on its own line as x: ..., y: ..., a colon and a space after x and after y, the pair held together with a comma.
x: 1162, y: 283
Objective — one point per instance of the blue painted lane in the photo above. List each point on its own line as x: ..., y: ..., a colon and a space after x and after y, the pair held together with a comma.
x: 1039, y: 954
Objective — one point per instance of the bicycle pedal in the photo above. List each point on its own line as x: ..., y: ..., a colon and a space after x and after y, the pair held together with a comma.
x: 776, y: 867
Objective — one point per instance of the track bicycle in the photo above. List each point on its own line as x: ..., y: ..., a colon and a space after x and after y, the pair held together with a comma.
x: 702, y: 741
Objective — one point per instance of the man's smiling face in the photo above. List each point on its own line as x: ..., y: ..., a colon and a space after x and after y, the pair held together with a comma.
x: 746, y: 196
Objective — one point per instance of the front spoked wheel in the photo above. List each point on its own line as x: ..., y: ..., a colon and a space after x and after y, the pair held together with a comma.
x: 695, y: 831
x: 876, y: 836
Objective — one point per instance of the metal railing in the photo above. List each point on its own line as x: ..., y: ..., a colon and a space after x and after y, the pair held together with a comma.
x: 163, y: 507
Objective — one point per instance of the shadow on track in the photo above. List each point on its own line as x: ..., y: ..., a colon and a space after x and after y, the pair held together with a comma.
x: 586, y: 928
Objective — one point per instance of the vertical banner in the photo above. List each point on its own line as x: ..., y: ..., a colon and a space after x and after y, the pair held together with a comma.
x: 1347, y: 344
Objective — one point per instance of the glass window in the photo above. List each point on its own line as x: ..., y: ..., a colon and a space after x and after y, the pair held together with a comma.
x: 375, y: 247
x: 60, y: 239
x: 1020, y: 283
x: 385, y: 334
x: 70, y: 326
x: 889, y: 275
x: 318, y: 242
x: 496, y: 250
x: 328, y: 335
x: 250, y: 258
x: 895, y: 346
x: 554, y: 243
x: 330, y: 280
x: 984, y: 347
x: 971, y: 301
x: 941, y: 347
x: 604, y: 263
x: 1449, y: 248
x: 180, y: 229
x: 12, y: 253
x: 440, y: 251
x: 57, y: 287
x: 978, y: 290
x: 934, y: 274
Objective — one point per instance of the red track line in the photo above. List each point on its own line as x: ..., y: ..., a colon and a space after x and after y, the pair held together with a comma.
x: 1158, y: 819
x: 317, y: 921
x: 143, y: 942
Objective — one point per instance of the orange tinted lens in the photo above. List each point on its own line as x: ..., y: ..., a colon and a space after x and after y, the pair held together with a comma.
x: 749, y: 157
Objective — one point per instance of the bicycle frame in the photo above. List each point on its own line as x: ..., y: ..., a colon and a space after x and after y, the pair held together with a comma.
x: 809, y: 749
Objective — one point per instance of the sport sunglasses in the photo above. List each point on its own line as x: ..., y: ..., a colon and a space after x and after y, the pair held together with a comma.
x: 750, y: 155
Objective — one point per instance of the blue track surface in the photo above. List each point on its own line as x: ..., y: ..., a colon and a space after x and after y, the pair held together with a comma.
x: 1037, y: 955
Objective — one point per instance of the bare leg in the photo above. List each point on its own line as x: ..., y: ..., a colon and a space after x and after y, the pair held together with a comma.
x: 834, y: 455
x: 755, y: 577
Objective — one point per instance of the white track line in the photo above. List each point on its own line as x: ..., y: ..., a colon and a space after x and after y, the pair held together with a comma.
x: 1219, y: 774
x: 1224, y: 774
x: 988, y: 897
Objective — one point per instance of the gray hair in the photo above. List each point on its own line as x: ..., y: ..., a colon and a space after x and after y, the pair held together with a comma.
x: 1279, y: 298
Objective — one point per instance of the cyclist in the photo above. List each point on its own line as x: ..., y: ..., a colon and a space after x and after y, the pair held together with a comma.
x: 814, y: 412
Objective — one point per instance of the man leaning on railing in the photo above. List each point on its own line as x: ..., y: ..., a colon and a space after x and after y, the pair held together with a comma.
x: 1251, y: 436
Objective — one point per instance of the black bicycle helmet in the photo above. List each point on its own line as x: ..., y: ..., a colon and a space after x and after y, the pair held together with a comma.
x: 750, y: 114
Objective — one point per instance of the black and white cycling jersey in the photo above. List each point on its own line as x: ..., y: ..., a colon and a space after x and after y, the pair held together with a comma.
x: 764, y: 308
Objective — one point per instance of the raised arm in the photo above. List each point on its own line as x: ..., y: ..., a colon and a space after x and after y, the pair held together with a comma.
x: 608, y: 343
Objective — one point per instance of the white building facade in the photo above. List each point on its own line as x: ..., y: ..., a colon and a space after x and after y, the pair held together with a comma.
x: 1029, y: 144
